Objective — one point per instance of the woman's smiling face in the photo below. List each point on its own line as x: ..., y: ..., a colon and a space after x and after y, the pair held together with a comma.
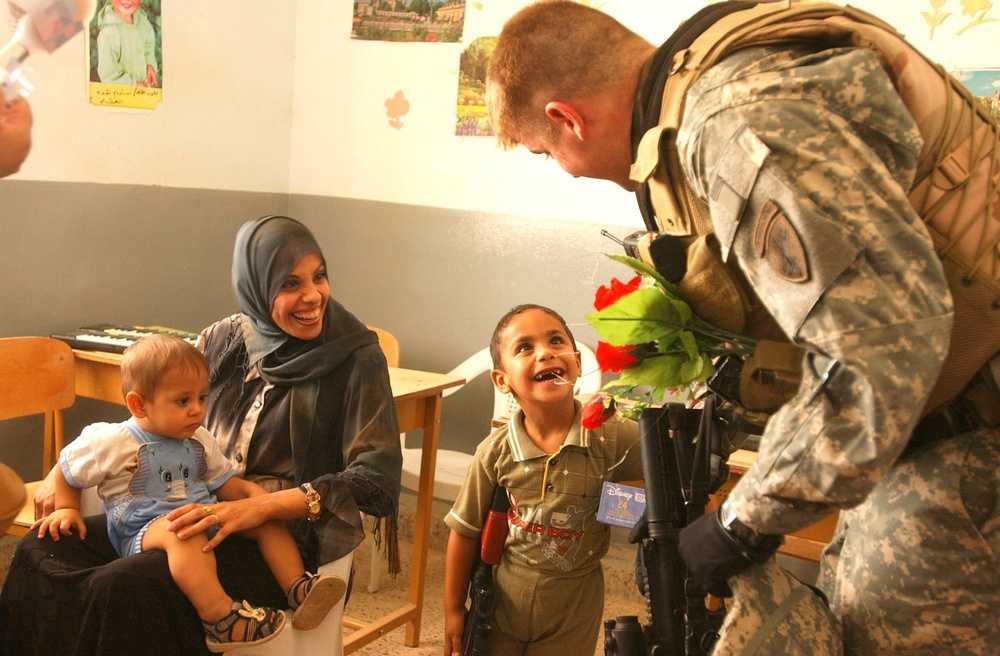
x: 300, y: 304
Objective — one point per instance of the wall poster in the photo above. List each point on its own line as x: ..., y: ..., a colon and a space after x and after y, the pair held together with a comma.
x: 125, y: 54
x: 428, y: 21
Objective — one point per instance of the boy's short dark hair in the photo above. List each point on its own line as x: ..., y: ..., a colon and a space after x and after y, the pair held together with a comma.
x: 148, y: 359
x: 513, y: 312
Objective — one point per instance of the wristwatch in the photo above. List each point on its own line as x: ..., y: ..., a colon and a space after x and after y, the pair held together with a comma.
x: 751, y: 538
x: 312, y: 502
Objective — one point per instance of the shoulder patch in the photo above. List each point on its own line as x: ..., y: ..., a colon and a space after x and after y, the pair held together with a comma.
x: 776, y: 242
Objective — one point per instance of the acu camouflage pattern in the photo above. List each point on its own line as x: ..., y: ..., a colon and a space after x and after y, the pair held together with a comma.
x: 913, y: 570
x: 784, y: 132
x: 824, y: 137
x: 772, y: 613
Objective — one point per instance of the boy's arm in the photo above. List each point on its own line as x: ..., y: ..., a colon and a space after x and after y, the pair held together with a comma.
x: 459, y: 559
x: 67, y: 514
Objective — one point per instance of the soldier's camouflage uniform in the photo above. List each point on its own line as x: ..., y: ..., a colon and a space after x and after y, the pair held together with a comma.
x: 805, y: 159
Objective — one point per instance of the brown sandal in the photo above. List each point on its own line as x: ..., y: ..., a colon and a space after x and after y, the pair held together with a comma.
x: 262, y: 624
x: 321, y: 593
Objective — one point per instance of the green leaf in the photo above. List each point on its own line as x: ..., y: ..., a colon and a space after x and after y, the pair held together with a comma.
x: 690, y: 344
x: 697, y: 370
x: 640, y: 317
x: 642, y: 268
x: 658, y: 372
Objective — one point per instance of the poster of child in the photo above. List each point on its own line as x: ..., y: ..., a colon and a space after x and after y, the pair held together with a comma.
x: 126, y: 54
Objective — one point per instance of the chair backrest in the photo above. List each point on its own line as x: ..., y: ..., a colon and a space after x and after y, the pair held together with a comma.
x: 37, y: 376
x: 504, y: 405
x: 389, y: 344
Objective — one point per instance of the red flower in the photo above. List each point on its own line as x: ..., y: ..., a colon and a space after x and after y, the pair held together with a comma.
x: 616, y: 358
x: 606, y: 296
x: 596, y: 411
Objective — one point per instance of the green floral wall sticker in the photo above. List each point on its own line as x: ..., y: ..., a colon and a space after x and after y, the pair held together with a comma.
x: 976, y: 10
x: 395, y: 108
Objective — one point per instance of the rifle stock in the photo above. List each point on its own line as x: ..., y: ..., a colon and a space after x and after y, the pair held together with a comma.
x: 476, y: 630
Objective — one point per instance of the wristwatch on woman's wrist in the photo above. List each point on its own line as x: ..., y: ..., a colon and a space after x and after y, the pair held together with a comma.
x: 312, y: 502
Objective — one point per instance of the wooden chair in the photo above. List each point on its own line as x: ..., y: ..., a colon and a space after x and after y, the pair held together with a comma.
x: 389, y: 345
x: 36, y: 377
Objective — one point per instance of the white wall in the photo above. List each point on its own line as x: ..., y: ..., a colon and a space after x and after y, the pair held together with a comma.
x: 225, y: 118
x: 231, y: 118
x: 343, y: 145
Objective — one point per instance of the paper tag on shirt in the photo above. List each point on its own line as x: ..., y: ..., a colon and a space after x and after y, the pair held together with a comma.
x: 621, y: 505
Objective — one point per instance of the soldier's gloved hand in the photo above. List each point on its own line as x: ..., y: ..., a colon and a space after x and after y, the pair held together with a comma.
x: 717, y: 546
x: 640, y: 531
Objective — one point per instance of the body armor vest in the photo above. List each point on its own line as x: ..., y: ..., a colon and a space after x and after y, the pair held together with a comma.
x: 956, y: 190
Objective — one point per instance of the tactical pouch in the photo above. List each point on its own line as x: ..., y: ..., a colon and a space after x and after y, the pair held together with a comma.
x: 711, y: 289
x: 758, y: 385
x: 771, y: 376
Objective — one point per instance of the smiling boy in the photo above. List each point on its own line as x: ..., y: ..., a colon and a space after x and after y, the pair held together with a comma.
x: 549, y: 585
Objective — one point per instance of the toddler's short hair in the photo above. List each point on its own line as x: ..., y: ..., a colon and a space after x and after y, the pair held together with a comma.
x: 147, y: 360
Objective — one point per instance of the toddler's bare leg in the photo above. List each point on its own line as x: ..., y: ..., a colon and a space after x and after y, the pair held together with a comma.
x: 191, y: 568
x: 279, y: 550
x: 311, y: 596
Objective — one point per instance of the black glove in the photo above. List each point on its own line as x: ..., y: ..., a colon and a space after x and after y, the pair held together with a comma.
x: 640, y: 531
x: 713, y: 554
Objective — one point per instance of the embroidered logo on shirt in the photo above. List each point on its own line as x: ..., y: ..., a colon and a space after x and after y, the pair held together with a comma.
x: 777, y: 243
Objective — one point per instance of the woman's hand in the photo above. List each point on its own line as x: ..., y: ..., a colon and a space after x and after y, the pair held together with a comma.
x: 230, y: 516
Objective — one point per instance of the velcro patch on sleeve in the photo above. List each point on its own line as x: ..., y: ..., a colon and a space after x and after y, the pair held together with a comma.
x: 776, y: 242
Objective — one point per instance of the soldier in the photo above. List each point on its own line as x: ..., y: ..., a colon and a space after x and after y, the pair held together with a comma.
x: 803, y: 158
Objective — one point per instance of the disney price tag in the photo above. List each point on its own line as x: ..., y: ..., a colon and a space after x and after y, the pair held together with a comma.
x: 621, y: 505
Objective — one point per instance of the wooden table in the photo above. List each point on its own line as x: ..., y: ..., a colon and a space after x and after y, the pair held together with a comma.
x: 807, y: 543
x: 418, y: 405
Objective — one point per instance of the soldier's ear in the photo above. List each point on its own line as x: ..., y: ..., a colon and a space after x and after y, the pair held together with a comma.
x: 566, y: 117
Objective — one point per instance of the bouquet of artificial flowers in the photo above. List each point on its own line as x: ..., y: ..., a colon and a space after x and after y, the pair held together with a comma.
x: 650, y: 336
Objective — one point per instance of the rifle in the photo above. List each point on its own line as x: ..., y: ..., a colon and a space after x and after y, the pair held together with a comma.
x: 678, y: 447
x: 476, y: 630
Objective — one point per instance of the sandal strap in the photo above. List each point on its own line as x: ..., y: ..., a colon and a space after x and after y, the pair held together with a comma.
x: 262, y: 622
x: 308, y: 580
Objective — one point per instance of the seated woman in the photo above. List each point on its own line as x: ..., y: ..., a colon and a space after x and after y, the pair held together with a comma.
x: 300, y: 402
